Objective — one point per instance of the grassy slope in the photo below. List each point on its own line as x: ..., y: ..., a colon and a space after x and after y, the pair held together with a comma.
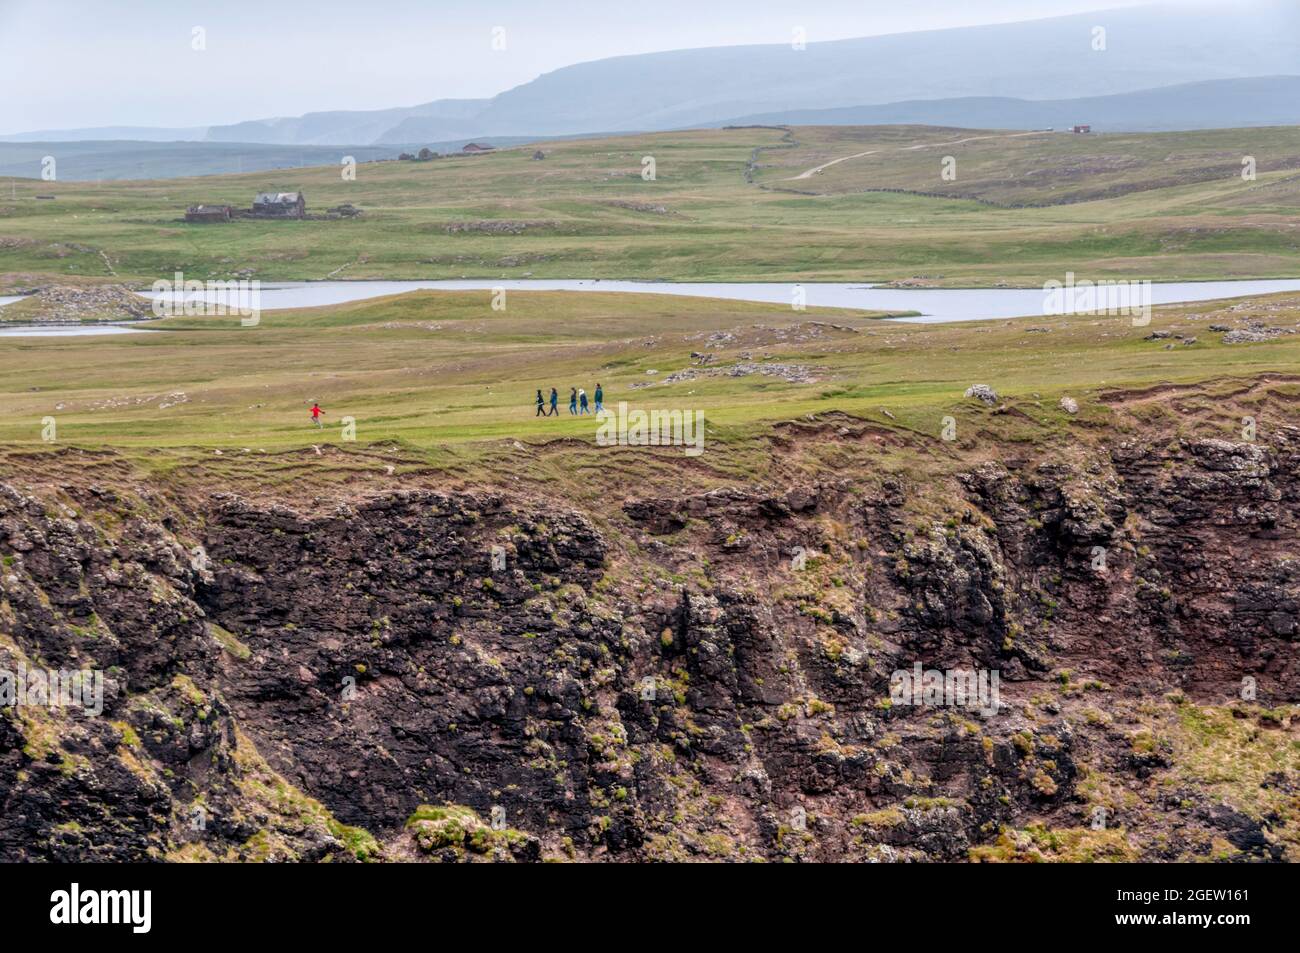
x: 716, y: 225
x: 442, y: 381
x: 126, y: 159
x: 440, y: 384
x: 1012, y: 169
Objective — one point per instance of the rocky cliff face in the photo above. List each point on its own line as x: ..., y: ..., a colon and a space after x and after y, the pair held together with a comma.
x: 428, y: 675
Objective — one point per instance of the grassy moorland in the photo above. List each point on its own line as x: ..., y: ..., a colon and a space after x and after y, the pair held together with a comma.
x: 440, y: 381
x: 1019, y: 169
x: 446, y: 379
x: 725, y: 205
x: 119, y: 444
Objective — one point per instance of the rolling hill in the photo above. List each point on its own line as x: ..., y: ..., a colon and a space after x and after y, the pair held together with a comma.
x: 94, y: 161
x: 733, y: 204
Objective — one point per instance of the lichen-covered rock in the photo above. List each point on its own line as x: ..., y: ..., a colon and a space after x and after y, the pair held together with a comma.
x: 457, y: 834
x: 438, y: 676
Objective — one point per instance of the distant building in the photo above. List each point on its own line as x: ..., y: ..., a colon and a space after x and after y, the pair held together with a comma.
x: 209, y: 213
x: 280, y: 205
x: 477, y: 147
x: 1081, y: 129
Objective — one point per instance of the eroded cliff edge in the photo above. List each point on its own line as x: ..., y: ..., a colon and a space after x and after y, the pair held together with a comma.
x: 693, y: 674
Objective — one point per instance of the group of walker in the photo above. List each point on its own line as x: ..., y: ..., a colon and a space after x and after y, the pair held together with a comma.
x: 577, y: 402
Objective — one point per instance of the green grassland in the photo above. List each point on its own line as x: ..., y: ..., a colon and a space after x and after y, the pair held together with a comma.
x: 725, y: 205
x: 129, y: 159
x: 1018, y: 169
x: 447, y: 380
x: 440, y: 380
x: 439, y: 385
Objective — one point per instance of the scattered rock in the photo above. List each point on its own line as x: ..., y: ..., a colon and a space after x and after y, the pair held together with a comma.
x: 983, y: 393
x: 499, y: 226
x: 72, y: 305
x: 790, y: 373
x: 1254, y: 335
x: 648, y: 207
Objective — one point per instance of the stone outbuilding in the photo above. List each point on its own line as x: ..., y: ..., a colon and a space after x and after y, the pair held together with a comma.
x: 209, y: 213
x: 280, y: 205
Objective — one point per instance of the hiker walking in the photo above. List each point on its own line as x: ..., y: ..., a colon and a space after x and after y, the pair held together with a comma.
x: 573, y: 400
x: 555, y: 403
x: 541, y: 404
x: 582, y: 400
x: 315, y: 415
x: 600, y: 399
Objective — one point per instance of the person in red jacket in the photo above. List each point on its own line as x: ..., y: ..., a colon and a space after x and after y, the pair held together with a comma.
x: 315, y: 415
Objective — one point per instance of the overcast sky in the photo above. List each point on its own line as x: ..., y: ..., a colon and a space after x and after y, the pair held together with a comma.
x: 81, y: 63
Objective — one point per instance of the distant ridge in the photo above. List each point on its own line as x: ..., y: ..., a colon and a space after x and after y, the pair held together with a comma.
x: 1217, y: 104
x: 1161, y: 46
x: 133, y: 133
x: 91, y: 160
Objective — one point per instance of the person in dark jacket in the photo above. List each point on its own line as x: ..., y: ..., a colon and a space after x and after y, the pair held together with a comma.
x: 541, y: 404
x: 573, y: 400
x: 600, y: 399
x: 582, y: 401
x: 555, y: 403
